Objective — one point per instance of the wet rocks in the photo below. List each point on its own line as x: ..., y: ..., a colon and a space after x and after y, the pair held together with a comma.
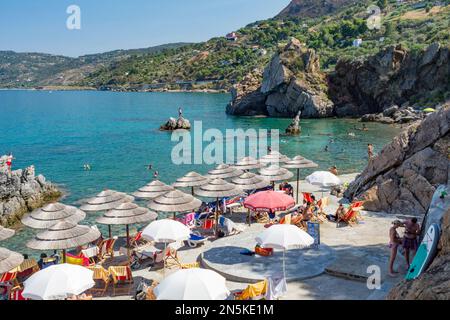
x: 176, y: 124
x: 294, y: 128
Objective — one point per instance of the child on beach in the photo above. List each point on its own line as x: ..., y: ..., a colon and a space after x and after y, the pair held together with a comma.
x: 394, y: 242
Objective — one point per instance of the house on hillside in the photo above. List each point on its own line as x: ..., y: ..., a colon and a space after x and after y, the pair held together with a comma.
x: 357, y: 43
x: 232, y: 36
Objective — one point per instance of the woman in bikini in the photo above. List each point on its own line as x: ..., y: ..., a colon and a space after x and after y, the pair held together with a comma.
x: 394, y: 242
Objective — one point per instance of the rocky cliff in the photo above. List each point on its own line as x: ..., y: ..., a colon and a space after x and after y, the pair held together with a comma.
x: 403, y: 177
x: 386, y: 87
x: 22, y: 191
x: 291, y: 83
x: 313, y: 8
x: 392, y: 77
x: 434, y: 284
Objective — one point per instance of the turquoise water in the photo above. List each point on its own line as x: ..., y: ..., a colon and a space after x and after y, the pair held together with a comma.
x: 117, y: 133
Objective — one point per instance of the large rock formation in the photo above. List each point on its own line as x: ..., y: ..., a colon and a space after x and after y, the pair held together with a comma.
x: 291, y: 83
x: 22, y: 191
x: 403, y: 177
x: 382, y: 88
x: 390, y: 78
x: 176, y: 124
x: 434, y: 284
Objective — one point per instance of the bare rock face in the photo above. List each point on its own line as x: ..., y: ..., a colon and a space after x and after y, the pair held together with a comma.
x: 21, y: 191
x: 313, y: 8
x: 403, y: 177
x: 292, y: 82
x: 433, y: 284
x: 373, y: 86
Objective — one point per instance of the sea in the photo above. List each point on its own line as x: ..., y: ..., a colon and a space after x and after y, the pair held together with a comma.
x: 117, y: 134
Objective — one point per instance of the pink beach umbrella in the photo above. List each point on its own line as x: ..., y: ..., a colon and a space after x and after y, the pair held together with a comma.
x: 269, y: 201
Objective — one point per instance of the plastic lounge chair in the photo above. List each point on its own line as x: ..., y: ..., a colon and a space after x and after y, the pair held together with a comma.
x: 201, y: 217
x: 121, y: 275
x: 102, y: 280
x: 195, y: 240
x: 255, y: 291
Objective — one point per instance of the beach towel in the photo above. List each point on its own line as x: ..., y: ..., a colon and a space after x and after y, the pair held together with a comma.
x: 276, y: 287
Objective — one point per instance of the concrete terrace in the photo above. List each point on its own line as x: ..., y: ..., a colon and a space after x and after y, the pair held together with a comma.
x: 337, y: 270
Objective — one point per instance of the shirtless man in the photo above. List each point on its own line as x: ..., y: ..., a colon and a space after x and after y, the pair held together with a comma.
x: 9, y: 160
x: 334, y: 170
x: 370, y: 151
x: 394, y: 242
x: 410, y: 242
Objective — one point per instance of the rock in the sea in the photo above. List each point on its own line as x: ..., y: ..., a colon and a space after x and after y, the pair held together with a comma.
x: 21, y: 191
x: 291, y: 83
x: 294, y: 128
x: 176, y: 124
x: 402, y: 178
x: 434, y: 283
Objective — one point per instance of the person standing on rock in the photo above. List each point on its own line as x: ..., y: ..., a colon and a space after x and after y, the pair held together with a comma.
x: 180, y: 112
x: 370, y: 151
x: 410, y: 242
x: 394, y: 242
x: 9, y: 160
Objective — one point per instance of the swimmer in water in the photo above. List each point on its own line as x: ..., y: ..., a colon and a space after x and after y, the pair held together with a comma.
x: 326, y: 148
x: 87, y: 167
x: 149, y: 166
x: 155, y: 174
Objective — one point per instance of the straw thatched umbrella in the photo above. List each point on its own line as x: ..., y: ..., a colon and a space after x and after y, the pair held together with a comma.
x: 275, y: 173
x: 9, y: 260
x: 224, y: 171
x: 62, y: 236
x: 126, y: 214
x: 175, y: 202
x: 192, y: 179
x: 106, y: 200
x: 250, y: 181
x: 51, y: 214
x: 6, y: 233
x: 218, y: 188
x: 273, y: 157
x: 248, y: 163
x: 153, y: 190
x: 298, y: 163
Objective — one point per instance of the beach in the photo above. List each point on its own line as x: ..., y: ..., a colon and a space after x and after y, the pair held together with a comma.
x: 353, y: 249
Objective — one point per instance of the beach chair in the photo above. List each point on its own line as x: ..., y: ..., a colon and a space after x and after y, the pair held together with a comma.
x: 150, y: 294
x: 192, y: 265
x: 79, y: 260
x: 307, y: 197
x: 121, y: 276
x: 188, y: 220
x: 10, y: 278
x: 101, y: 278
x: 255, y: 291
x: 16, y: 294
x: 195, y: 240
x: 106, y: 249
x: 207, y: 226
x: 201, y: 217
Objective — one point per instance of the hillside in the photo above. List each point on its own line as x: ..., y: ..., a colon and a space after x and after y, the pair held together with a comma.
x: 327, y: 26
x: 37, y: 69
x: 313, y: 8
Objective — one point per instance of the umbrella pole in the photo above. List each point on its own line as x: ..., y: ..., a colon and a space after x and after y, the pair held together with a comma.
x: 109, y: 231
x: 192, y: 190
x: 164, y: 260
x: 298, y: 182
x: 284, y: 263
x: 217, y: 217
x: 249, y: 218
x: 128, y: 242
x: 64, y: 255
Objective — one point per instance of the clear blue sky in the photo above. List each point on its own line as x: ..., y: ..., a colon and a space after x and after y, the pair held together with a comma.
x: 40, y: 25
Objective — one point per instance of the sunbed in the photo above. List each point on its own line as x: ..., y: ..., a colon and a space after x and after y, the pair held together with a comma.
x: 195, y: 240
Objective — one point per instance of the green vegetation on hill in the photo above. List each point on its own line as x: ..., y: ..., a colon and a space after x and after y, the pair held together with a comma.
x: 221, y: 62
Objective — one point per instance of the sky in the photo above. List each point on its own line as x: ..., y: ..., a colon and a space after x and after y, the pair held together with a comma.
x: 41, y: 25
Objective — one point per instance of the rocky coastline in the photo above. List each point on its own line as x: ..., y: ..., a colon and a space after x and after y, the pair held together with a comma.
x: 386, y: 87
x: 403, y: 177
x: 22, y: 191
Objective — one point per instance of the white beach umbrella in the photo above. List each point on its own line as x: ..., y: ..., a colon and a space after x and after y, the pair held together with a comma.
x: 58, y: 282
x: 193, y: 284
x: 323, y: 179
x: 166, y: 231
x: 284, y: 237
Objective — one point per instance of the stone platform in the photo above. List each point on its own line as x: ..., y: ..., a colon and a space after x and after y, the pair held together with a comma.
x: 223, y: 256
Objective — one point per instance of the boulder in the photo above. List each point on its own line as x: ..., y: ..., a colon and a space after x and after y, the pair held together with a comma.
x: 402, y: 178
x: 294, y: 128
x: 176, y: 124
x: 21, y: 191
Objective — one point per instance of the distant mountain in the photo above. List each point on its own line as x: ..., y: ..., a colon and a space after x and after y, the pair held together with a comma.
x: 40, y: 69
x: 313, y: 8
